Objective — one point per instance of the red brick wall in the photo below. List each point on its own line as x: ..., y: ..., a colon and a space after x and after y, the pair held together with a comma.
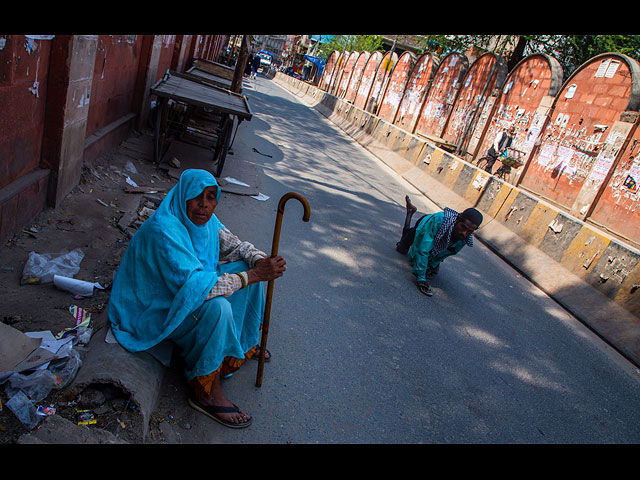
x: 345, y: 77
x: 329, y: 70
x: 339, y: 68
x: 524, y: 89
x: 619, y: 206
x: 366, y: 82
x: 477, y: 86
x: 439, y: 101
x: 571, y: 141
x: 114, y: 79
x: 356, y: 77
x: 396, y: 87
x: 380, y: 81
x: 24, y: 65
x: 415, y: 92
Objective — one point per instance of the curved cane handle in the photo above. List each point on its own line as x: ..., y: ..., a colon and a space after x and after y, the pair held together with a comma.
x: 300, y: 198
x: 305, y: 217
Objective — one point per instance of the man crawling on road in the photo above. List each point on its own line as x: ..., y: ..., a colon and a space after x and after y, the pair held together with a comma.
x: 435, y: 237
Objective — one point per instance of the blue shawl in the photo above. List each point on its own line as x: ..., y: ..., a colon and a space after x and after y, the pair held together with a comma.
x: 168, y: 269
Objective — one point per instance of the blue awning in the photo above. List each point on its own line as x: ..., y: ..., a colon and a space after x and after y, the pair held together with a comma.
x: 318, y: 62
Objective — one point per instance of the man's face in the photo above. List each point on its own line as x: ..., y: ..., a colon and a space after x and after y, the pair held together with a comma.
x: 464, y: 228
x: 200, y: 208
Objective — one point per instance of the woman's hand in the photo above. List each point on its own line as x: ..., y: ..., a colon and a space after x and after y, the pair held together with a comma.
x: 424, y: 288
x: 267, y: 269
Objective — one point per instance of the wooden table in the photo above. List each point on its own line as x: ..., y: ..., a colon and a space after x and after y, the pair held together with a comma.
x: 195, y: 111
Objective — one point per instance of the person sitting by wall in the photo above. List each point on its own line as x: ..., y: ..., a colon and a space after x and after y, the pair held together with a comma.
x: 171, y: 286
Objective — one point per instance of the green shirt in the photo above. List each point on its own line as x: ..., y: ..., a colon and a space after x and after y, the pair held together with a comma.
x: 423, y: 243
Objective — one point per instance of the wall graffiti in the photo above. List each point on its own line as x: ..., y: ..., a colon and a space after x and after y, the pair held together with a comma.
x: 578, y: 138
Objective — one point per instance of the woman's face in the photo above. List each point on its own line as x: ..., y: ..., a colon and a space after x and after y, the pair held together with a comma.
x: 200, y: 208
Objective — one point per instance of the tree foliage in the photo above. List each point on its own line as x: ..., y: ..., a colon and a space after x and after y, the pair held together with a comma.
x: 350, y: 43
x: 570, y: 50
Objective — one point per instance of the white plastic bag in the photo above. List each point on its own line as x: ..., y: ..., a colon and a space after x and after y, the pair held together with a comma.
x: 36, y: 385
x: 40, y: 268
x: 24, y: 409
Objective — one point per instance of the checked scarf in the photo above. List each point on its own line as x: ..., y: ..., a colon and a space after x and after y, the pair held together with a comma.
x: 443, y: 236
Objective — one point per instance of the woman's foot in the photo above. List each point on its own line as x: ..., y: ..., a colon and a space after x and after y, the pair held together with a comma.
x: 267, y: 354
x: 231, y: 417
x: 225, y: 411
x: 219, y: 408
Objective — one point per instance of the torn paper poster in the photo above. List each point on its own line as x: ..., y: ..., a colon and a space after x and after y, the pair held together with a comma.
x: 480, y: 181
x: 556, y: 226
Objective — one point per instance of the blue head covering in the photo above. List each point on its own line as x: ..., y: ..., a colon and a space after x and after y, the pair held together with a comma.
x: 203, y: 237
x: 168, y: 269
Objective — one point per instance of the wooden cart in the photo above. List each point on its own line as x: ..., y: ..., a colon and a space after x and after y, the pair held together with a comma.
x: 195, y: 111
x: 207, y: 77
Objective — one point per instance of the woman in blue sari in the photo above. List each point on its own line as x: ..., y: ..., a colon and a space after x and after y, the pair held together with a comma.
x: 171, y: 286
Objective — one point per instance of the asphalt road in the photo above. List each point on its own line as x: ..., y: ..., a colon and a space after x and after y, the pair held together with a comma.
x: 359, y: 355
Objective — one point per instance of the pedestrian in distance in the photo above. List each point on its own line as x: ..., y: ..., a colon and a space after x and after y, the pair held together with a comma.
x: 173, y: 285
x: 500, y: 144
x: 435, y: 237
x: 247, y: 67
x: 255, y: 65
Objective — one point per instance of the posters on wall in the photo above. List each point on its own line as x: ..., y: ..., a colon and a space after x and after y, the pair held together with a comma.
x: 601, y: 168
x: 607, y: 68
x: 547, y: 153
x: 571, y: 91
x: 632, y: 180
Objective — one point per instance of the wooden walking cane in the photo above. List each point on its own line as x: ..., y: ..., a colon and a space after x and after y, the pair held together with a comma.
x: 274, y: 252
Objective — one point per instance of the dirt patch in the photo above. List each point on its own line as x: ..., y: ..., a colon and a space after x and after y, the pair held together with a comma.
x: 98, y: 216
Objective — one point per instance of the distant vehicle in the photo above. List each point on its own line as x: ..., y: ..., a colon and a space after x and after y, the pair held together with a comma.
x: 265, y: 61
x: 291, y: 72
